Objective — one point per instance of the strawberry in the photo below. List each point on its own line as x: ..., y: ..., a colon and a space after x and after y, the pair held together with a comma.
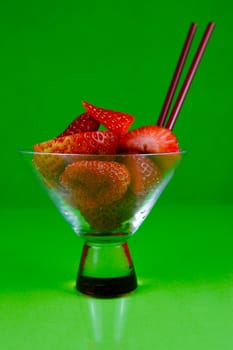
x: 117, y: 122
x: 149, y: 139
x: 84, y: 122
x: 95, y: 182
x: 167, y: 161
x: 114, y: 216
x: 50, y: 167
x: 145, y: 175
x: 90, y: 142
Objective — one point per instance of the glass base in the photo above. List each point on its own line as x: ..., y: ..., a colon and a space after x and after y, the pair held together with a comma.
x: 106, y: 270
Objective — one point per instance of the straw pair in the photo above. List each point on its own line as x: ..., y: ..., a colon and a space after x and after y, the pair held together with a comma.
x: 164, y: 120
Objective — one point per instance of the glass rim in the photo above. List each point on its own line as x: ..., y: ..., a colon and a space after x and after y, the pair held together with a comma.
x: 181, y: 152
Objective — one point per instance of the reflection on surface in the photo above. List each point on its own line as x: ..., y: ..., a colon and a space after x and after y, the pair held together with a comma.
x: 176, y: 316
x: 106, y: 319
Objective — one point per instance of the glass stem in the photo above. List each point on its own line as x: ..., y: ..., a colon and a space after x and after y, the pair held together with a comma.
x: 106, y: 270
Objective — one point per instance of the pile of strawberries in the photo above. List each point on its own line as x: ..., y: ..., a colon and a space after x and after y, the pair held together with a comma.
x: 108, y: 185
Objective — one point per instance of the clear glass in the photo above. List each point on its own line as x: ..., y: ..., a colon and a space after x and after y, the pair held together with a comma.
x: 105, y: 198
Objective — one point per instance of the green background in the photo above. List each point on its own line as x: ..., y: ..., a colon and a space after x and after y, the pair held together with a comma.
x: 119, y: 55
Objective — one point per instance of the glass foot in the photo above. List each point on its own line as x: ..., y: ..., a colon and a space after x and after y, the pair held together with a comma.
x: 106, y: 270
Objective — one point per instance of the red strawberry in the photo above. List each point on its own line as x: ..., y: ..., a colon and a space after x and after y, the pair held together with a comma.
x: 50, y: 166
x: 167, y: 161
x: 145, y: 175
x: 149, y: 139
x: 90, y: 142
x: 95, y: 182
x: 84, y: 122
x: 114, y: 216
x: 117, y: 122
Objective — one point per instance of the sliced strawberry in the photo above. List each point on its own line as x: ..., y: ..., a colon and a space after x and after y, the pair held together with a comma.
x: 145, y: 175
x: 90, y: 142
x: 117, y: 122
x: 149, y: 139
x: 84, y: 122
x: 95, y: 182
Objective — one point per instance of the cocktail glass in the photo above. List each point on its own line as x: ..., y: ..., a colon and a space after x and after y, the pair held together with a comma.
x: 102, y: 216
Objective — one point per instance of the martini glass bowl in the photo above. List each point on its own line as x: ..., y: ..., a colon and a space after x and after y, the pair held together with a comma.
x: 105, y: 199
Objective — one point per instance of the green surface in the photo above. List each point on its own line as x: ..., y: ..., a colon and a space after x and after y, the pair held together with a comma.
x: 184, y: 299
x: 118, y: 55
